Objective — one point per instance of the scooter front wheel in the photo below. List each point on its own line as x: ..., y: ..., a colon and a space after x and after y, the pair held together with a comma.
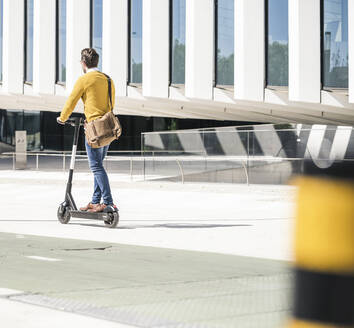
x: 113, y: 219
x: 63, y: 214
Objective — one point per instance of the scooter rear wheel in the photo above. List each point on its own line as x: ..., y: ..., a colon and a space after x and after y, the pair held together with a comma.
x: 113, y: 219
x: 63, y: 214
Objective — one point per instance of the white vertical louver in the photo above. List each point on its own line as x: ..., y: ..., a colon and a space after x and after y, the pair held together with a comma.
x: 115, y: 43
x: 13, y: 50
x: 304, y: 51
x: 44, y: 46
x: 249, y: 50
x: 78, y: 37
x: 199, y: 48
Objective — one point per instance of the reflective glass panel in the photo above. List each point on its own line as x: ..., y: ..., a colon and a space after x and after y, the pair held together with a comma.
x: 1, y: 33
x: 96, y: 29
x: 335, y: 43
x: 277, y: 67
x: 61, y: 33
x: 225, y: 42
x: 178, y: 41
x: 29, y: 42
x: 136, y: 32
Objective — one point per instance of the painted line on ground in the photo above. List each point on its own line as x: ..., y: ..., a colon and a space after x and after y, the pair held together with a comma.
x: 40, y: 258
x: 9, y: 292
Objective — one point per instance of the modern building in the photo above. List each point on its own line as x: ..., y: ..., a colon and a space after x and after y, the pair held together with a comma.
x: 178, y: 63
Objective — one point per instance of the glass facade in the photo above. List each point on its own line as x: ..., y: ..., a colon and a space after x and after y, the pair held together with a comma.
x: 96, y: 28
x: 135, y: 37
x: 61, y: 41
x: 335, y: 44
x: 44, y: 133
x: 29, y: 41
x: 12, y: 120
x: 278, y: 40
x: 225, y: 42
x: 178, y: 39
x: 1, y: 34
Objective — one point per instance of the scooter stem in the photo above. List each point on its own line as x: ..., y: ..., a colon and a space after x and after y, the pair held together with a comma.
x: 68, y: 196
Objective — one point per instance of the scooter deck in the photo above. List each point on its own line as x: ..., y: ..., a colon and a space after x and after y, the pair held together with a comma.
x: 89, y: 215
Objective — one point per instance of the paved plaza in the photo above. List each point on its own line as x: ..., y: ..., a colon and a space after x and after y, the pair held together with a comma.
x: 192, y: 255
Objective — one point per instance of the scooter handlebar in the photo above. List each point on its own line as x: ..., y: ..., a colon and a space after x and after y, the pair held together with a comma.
x: 73, y: 121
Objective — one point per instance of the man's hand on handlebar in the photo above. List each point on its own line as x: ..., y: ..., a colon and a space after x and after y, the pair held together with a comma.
x: 59, y: 121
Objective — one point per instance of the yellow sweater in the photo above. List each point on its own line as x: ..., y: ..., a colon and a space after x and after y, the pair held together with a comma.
x: 92, y: 87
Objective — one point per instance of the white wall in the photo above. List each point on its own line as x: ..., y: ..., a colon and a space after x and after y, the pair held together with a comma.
x: 304, y: 51
x: 13, y: 50
x: 77, y: 38
x: 199, y: 49
x: 351, y: 49
x: 44, y: 46
x: 115, y: 43
x: 249, y: 50
x: 155, y: 48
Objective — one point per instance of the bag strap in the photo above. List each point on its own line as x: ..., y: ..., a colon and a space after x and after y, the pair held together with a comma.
x: 109, y: 90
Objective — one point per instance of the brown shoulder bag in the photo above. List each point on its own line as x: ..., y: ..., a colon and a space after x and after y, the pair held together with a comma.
x: 104, y: 130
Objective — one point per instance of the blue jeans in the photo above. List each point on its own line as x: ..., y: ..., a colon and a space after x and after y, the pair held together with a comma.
x: 101, y: 183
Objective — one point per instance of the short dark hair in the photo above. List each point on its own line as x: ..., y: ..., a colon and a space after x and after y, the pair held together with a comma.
x: 90, y: 57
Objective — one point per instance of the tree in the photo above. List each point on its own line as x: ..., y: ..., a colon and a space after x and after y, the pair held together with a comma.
x: 278, y: 64
x: 178, y: 63
x: 137, y: 69
x: 225, y: 70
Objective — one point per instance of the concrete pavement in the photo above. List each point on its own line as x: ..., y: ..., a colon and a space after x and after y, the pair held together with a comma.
x: 242, y: 220
x: 144, y: 286
x: 193, y: 255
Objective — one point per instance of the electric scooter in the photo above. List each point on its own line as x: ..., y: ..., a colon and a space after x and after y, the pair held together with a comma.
x: 68, y: 209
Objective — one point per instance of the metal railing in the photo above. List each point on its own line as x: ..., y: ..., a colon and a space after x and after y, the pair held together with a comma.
x: 182, y: 168
x: 137, y: 160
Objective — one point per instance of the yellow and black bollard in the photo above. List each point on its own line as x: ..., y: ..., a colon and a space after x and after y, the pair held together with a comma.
x: 324, y: 248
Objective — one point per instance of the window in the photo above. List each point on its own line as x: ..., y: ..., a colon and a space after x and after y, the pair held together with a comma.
x: 335, y: 43
x: 12, y: 120
x: 135, y: 41
x: 178, y: 41
x: 28, y: 41
x: 1, y: 33
x: 277, y: 45
x: 61, y: 41
x: 96, y: 28
x: 224, y: 23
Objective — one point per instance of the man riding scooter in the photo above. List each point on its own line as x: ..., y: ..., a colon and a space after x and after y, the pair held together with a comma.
x: 92, y: 89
